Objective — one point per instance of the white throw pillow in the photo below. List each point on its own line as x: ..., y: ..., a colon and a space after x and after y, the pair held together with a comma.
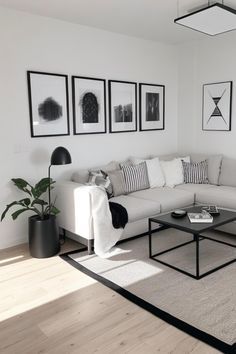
x: 173, y: 171
x: 155, y: 174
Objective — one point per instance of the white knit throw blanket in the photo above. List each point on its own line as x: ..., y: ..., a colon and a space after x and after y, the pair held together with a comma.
x: 105, y: 235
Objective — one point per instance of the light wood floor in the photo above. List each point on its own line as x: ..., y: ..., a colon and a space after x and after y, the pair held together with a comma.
x: 47, y: 306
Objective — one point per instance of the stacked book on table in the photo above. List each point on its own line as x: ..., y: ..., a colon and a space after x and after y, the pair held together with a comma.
x: 203, y: 217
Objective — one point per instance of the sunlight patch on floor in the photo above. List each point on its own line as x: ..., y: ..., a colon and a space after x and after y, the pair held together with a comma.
x: 10, y: 259
x: 34, y: 282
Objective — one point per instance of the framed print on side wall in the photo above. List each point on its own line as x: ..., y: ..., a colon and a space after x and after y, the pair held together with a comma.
x: 89, y: 105
x: 216, y: 106
x: 48, y: 104
x: 152, y: 106
x: 122, y: 106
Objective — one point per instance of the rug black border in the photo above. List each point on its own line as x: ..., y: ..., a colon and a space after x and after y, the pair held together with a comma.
x: 165, y: 316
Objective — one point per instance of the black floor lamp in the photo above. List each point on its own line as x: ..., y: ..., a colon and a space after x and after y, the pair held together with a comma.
x: 60, y: 156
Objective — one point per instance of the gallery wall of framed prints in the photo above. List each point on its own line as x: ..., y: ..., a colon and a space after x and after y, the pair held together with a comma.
x: 48, y: 104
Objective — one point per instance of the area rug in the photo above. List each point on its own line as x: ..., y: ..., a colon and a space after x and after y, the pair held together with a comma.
x: 205, y: 309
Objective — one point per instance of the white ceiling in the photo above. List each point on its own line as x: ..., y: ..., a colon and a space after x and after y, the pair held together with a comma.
x: 149, y: 19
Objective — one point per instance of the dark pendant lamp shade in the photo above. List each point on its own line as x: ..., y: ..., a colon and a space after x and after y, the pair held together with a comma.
x: 60, y: 156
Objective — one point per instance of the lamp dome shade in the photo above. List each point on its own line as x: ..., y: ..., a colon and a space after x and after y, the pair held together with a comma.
x: 60, y: 156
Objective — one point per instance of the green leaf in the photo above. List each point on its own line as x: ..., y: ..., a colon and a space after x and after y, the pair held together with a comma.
x: 8, y: 207
x: 42, y: 186
x: 18, y: 212
x: 22, y: 185
x: 25, y: 201
x: 39, y: 202
x: 54, y: 210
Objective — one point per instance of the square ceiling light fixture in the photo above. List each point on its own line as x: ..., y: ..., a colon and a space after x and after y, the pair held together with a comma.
x: 212, y: 20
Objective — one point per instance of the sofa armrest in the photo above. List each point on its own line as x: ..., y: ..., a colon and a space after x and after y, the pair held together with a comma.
x: 74, y: 203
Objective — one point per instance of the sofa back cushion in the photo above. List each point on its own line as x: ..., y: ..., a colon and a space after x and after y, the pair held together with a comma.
x: 214, y: 166
x: 111, y: 166
x: 136, y: 177
x: 228, y: 172
x: 167, y: 157
x: 80, y: 176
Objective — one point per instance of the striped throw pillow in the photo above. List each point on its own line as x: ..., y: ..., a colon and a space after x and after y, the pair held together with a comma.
x: 195, y: 172
x: 136, y: 177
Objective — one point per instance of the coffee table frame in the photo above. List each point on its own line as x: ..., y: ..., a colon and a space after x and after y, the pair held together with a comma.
x: 197, y: 237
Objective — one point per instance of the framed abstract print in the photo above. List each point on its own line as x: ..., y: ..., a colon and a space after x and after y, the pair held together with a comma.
x: 216, y: 106
x: 122, y: 106
x: 89, y: 105
x: 151, y: 106
x: 48, y: 104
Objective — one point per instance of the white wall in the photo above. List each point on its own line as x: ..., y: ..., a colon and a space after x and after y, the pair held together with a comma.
x: 30, y: 42
x: 210, y: 60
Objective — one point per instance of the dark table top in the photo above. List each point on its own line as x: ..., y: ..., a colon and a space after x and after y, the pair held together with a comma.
x: 184, y: 224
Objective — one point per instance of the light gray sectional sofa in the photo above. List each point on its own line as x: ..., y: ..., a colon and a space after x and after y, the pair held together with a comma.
x: 74, y: 199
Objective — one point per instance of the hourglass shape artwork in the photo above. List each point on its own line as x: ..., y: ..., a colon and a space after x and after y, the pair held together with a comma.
x: 217, y: 106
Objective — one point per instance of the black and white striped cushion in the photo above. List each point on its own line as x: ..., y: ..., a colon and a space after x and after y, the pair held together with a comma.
x: 136, y: 177
x: 195, y: 172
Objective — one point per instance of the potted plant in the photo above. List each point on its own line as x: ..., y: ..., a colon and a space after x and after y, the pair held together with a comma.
x: 43, y: 230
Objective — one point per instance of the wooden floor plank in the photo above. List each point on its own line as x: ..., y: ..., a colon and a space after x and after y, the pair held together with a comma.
x: 47, y: 306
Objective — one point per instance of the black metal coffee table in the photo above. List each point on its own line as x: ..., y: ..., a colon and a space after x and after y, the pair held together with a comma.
x: 196, y: 230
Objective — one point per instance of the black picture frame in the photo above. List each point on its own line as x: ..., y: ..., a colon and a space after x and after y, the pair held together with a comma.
x: 126, y: 119
x: 48, y: 104
x: 89, y: 89
x: 217, y: 106
x: 156, y: 94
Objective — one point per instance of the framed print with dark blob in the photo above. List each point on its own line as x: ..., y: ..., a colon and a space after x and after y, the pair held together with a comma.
x: 48, y: 104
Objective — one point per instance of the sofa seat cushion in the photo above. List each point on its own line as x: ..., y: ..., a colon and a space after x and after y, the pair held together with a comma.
x: 169, y: 198
x: 195, y: 188
x: 222, y: 196
x: 137, y: 210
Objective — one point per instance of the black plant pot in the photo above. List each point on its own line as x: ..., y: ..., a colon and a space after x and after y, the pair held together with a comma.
x: 43, y: 237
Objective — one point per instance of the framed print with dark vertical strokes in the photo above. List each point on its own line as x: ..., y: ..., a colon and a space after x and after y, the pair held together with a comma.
x: 151, y: 106
x: 122, y: 106
x: 89, y: 105
x: 48, y: 104
x: 216, y: 106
